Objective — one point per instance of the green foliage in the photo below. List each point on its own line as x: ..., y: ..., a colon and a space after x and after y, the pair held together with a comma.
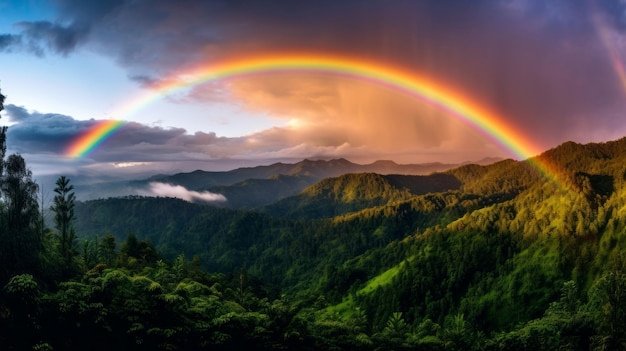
x: 608, y: 298
x: 22, y: 287
x: 21, y: 311
x: 353, y: 192
x: 20, y: 232
x: 395, y: 332
x: 483, y: 261
x: 255, y: 193
x: 63, y: 208
x: 477, y: 258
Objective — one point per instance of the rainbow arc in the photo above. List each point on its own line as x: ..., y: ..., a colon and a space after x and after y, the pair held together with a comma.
x: 427, y: 91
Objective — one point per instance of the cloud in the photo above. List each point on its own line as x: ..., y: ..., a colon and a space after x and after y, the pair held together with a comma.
x: 146, y: 81
x: 17, y: 113
x: 532, y: 62
x: 9, y: 42
x: 538, y: 65
x: 180, y: 192
x: 49, y: 133
x: 71, y: 28
x: 41, y: 37
x: 57, y: 38
x: 327, y: 111
x: 34, y: 132
x: 333, y: 136
x: 130, y: 164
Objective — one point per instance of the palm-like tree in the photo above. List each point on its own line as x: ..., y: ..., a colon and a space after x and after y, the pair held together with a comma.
x: 63, y: 209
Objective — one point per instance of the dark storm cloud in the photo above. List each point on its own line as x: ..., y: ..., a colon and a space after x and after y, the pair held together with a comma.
x: 9, y: 42
x: 41, y: 37
x: 38, y: 132
x: 163, y: 34
x: 539, y: 64
x: 17, y: 113
x: 536, y: 63
x: 87, y: 11
x: 62, y: 36
x: 34, y: 132
x: 54, y: 37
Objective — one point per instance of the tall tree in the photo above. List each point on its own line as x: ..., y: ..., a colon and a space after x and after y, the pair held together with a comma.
x: 20, y: 243
x: 20, y: 236
x: 3, y: 138
x: 106, y: 250
x: 3, y: 229
x: 63, y: 209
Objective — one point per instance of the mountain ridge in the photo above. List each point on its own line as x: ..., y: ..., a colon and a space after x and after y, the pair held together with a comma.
x: 319, y: 169
x: 493, y: 244
x: 250, y: 187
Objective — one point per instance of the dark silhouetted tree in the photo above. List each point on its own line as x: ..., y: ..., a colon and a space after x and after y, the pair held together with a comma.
x: 106, y: 250
x: 20, y: 238
x: 63, y: 209
x: 20, y: 243
x: 3, y: 138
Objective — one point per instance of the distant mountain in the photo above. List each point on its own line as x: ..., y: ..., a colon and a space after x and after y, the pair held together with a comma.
x: 246, y: 187
x: 312, y: 169
x: 501, y: 250
x: 352, y: 192
x: 494, y: 244
x: 254, y: 193
x: 262, y: 185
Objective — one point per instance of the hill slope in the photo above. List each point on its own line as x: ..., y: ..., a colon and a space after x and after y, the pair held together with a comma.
x: 352, y: 192
x: 494, y: 246
x: 259, y: 186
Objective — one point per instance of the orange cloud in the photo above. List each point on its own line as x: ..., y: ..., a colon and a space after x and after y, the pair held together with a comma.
x: 332, y: 112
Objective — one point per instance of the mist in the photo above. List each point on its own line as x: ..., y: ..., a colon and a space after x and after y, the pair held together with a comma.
x: 180, y: 192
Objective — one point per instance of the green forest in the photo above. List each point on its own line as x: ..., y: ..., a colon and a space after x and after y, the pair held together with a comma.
x: 498, y: 257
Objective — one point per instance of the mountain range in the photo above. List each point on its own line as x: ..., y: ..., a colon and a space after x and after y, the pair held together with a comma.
x: 494, y: 243
x: 251, y: 187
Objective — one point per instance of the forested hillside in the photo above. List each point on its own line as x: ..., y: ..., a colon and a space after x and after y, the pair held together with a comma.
x: 349, y: 193
x: 502, y: 253
x: 497, y: 257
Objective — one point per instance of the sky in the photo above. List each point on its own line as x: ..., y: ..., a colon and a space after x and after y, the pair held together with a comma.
x: 552, y: 71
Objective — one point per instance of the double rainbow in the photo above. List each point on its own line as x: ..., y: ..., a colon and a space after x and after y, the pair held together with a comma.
x: 407, y: 82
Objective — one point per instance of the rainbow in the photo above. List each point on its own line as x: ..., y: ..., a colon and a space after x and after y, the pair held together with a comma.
x: 88, y: 141
x: 407, y: 82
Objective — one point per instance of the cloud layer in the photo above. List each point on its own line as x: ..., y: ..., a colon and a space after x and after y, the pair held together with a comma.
x: 540, y: 65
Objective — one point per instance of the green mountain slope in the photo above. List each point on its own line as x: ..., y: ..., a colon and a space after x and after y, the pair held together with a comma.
x: 353, y: 192
x: 254, y: 193
x: 493, y: 246
x: 254, y: 187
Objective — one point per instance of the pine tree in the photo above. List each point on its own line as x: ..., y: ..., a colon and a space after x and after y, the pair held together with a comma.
x: 106, y: 250
x: 63, y: 209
